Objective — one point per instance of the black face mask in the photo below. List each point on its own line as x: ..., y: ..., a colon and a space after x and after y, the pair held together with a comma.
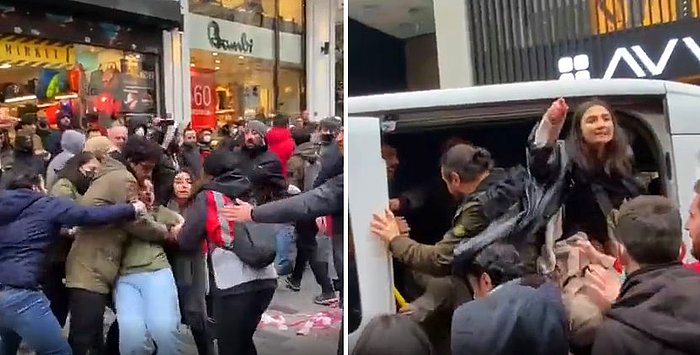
x: 326, y: 137
x: 82, y: 182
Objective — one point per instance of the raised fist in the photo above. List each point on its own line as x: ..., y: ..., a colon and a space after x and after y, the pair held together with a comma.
x: 556, y: 113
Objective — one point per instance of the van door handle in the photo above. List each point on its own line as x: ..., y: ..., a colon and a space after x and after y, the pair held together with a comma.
x: 669, y: 167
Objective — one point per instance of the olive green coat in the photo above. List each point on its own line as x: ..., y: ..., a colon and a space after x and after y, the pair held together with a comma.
x: 145, y: 256
x: 95, y: 258
x: 436, y: 260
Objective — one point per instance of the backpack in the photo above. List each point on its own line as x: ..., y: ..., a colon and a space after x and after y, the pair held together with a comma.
x: 254, y: 243
x: 311, y: 170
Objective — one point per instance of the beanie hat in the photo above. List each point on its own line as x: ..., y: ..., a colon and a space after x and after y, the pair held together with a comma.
x: 257, y: 127
x: 220, y: 161
x: 100, y: 146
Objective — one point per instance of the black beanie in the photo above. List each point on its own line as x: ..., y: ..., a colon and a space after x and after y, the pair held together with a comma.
x: 220, y: 162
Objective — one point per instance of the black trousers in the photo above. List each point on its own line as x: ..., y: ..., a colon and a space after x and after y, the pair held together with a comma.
x: 306, y: 252
x: 86, y: 333
x: 56, y: 291
x: 237, y: 317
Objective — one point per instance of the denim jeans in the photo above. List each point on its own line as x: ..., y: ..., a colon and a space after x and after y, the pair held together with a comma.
x: 146, y: 303
x: 285, y: 243
x: 26, y: 315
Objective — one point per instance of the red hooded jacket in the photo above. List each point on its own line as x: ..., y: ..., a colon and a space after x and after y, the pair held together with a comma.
x: 279, y: 141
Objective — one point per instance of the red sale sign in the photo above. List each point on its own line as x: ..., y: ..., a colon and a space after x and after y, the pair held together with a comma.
x: 203, y: 98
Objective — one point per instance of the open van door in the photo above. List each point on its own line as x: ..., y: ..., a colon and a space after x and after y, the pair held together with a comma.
x: 367, y: 193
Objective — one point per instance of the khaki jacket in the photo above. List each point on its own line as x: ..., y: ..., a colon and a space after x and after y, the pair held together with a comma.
x: 436, y: 260
x: 96, y: 255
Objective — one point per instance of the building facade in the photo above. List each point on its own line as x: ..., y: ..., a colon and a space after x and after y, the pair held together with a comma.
x: 525, y: 40
x: 254, y: 58
x: 76, y: 57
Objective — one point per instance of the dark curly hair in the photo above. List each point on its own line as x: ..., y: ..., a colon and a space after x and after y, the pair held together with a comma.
x: 138, y: 149
x: 500, y: 261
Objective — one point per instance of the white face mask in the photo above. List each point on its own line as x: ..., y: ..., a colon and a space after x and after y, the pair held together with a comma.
x: 140, y: 132
x: 206, y: 139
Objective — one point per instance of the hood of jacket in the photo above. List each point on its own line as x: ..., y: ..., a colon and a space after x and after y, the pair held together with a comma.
x: 500, y: 190
x: 232, y: 184
x: 512, y: 318
x: 307, y: 151
x: 14, y: 202
x: 277, y: 135
x: 661, y: 302
x: 72, y: 141
x: 110, y: 165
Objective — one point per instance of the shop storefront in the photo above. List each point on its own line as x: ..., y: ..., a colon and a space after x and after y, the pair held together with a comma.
x: 650, y: 39
x: 240, y: 65
x: 56, y: 64
x: 667, y: 52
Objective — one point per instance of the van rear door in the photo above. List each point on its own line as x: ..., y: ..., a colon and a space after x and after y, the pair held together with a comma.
x: 368, y: 258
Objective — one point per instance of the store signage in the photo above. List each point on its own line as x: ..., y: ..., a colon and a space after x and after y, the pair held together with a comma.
x: 243, y: 45
x: 235, y: 38
x: 203, y: 98
x: 635, y: 57
x: 30, y: 51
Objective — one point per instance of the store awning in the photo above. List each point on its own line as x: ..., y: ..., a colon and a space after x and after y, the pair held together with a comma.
x: 35, y: 52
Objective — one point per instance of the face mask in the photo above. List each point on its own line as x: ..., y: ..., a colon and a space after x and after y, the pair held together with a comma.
x: 326, y: 137
x: 206, y: 139
x: 140, y: 132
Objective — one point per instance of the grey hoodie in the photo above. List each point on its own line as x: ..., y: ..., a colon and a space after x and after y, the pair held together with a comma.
x: 72, y: 143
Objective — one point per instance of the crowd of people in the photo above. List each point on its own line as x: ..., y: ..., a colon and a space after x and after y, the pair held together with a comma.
x: 179, y: 233
x: 594, y: 265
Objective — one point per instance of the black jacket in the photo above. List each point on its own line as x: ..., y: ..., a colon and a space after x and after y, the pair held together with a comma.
x: 331, y: 163
x: 192, y: 159
x: 584, y: 194
x: 264, y: 170
x: 163, y: 177
x: 656, y: 314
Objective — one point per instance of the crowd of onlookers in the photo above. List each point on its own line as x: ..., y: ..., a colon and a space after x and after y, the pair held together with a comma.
x: 594, y: 264
x: 165, y: 226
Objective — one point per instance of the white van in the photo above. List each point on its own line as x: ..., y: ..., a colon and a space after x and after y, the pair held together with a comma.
x: 662, y: 118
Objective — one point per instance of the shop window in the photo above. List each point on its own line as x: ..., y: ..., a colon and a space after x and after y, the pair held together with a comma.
x: 55, y: 79
x: 659, y: 11
x: 241, y: 86
x: 290, y: 91
x: 609, y: 15
x: 259, y: 13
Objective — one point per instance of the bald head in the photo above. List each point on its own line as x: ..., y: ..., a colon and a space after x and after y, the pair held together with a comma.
x: 117, y: 136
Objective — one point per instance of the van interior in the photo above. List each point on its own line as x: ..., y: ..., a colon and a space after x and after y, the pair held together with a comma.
x: 503, y: 129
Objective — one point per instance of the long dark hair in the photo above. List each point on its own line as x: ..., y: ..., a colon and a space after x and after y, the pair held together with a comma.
x: 616, y: 160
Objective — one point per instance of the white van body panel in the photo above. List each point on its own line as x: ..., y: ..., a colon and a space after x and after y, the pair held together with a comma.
x: 677, y: 133
x: 368, y: 193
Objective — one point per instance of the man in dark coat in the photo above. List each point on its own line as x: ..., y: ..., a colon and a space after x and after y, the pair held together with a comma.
x: 261, y: 166
x: 656, y: 311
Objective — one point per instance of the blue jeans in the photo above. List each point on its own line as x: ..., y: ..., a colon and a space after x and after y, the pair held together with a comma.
x: 146, y: 303
x: 285, y: 242
x: 26, y: 315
